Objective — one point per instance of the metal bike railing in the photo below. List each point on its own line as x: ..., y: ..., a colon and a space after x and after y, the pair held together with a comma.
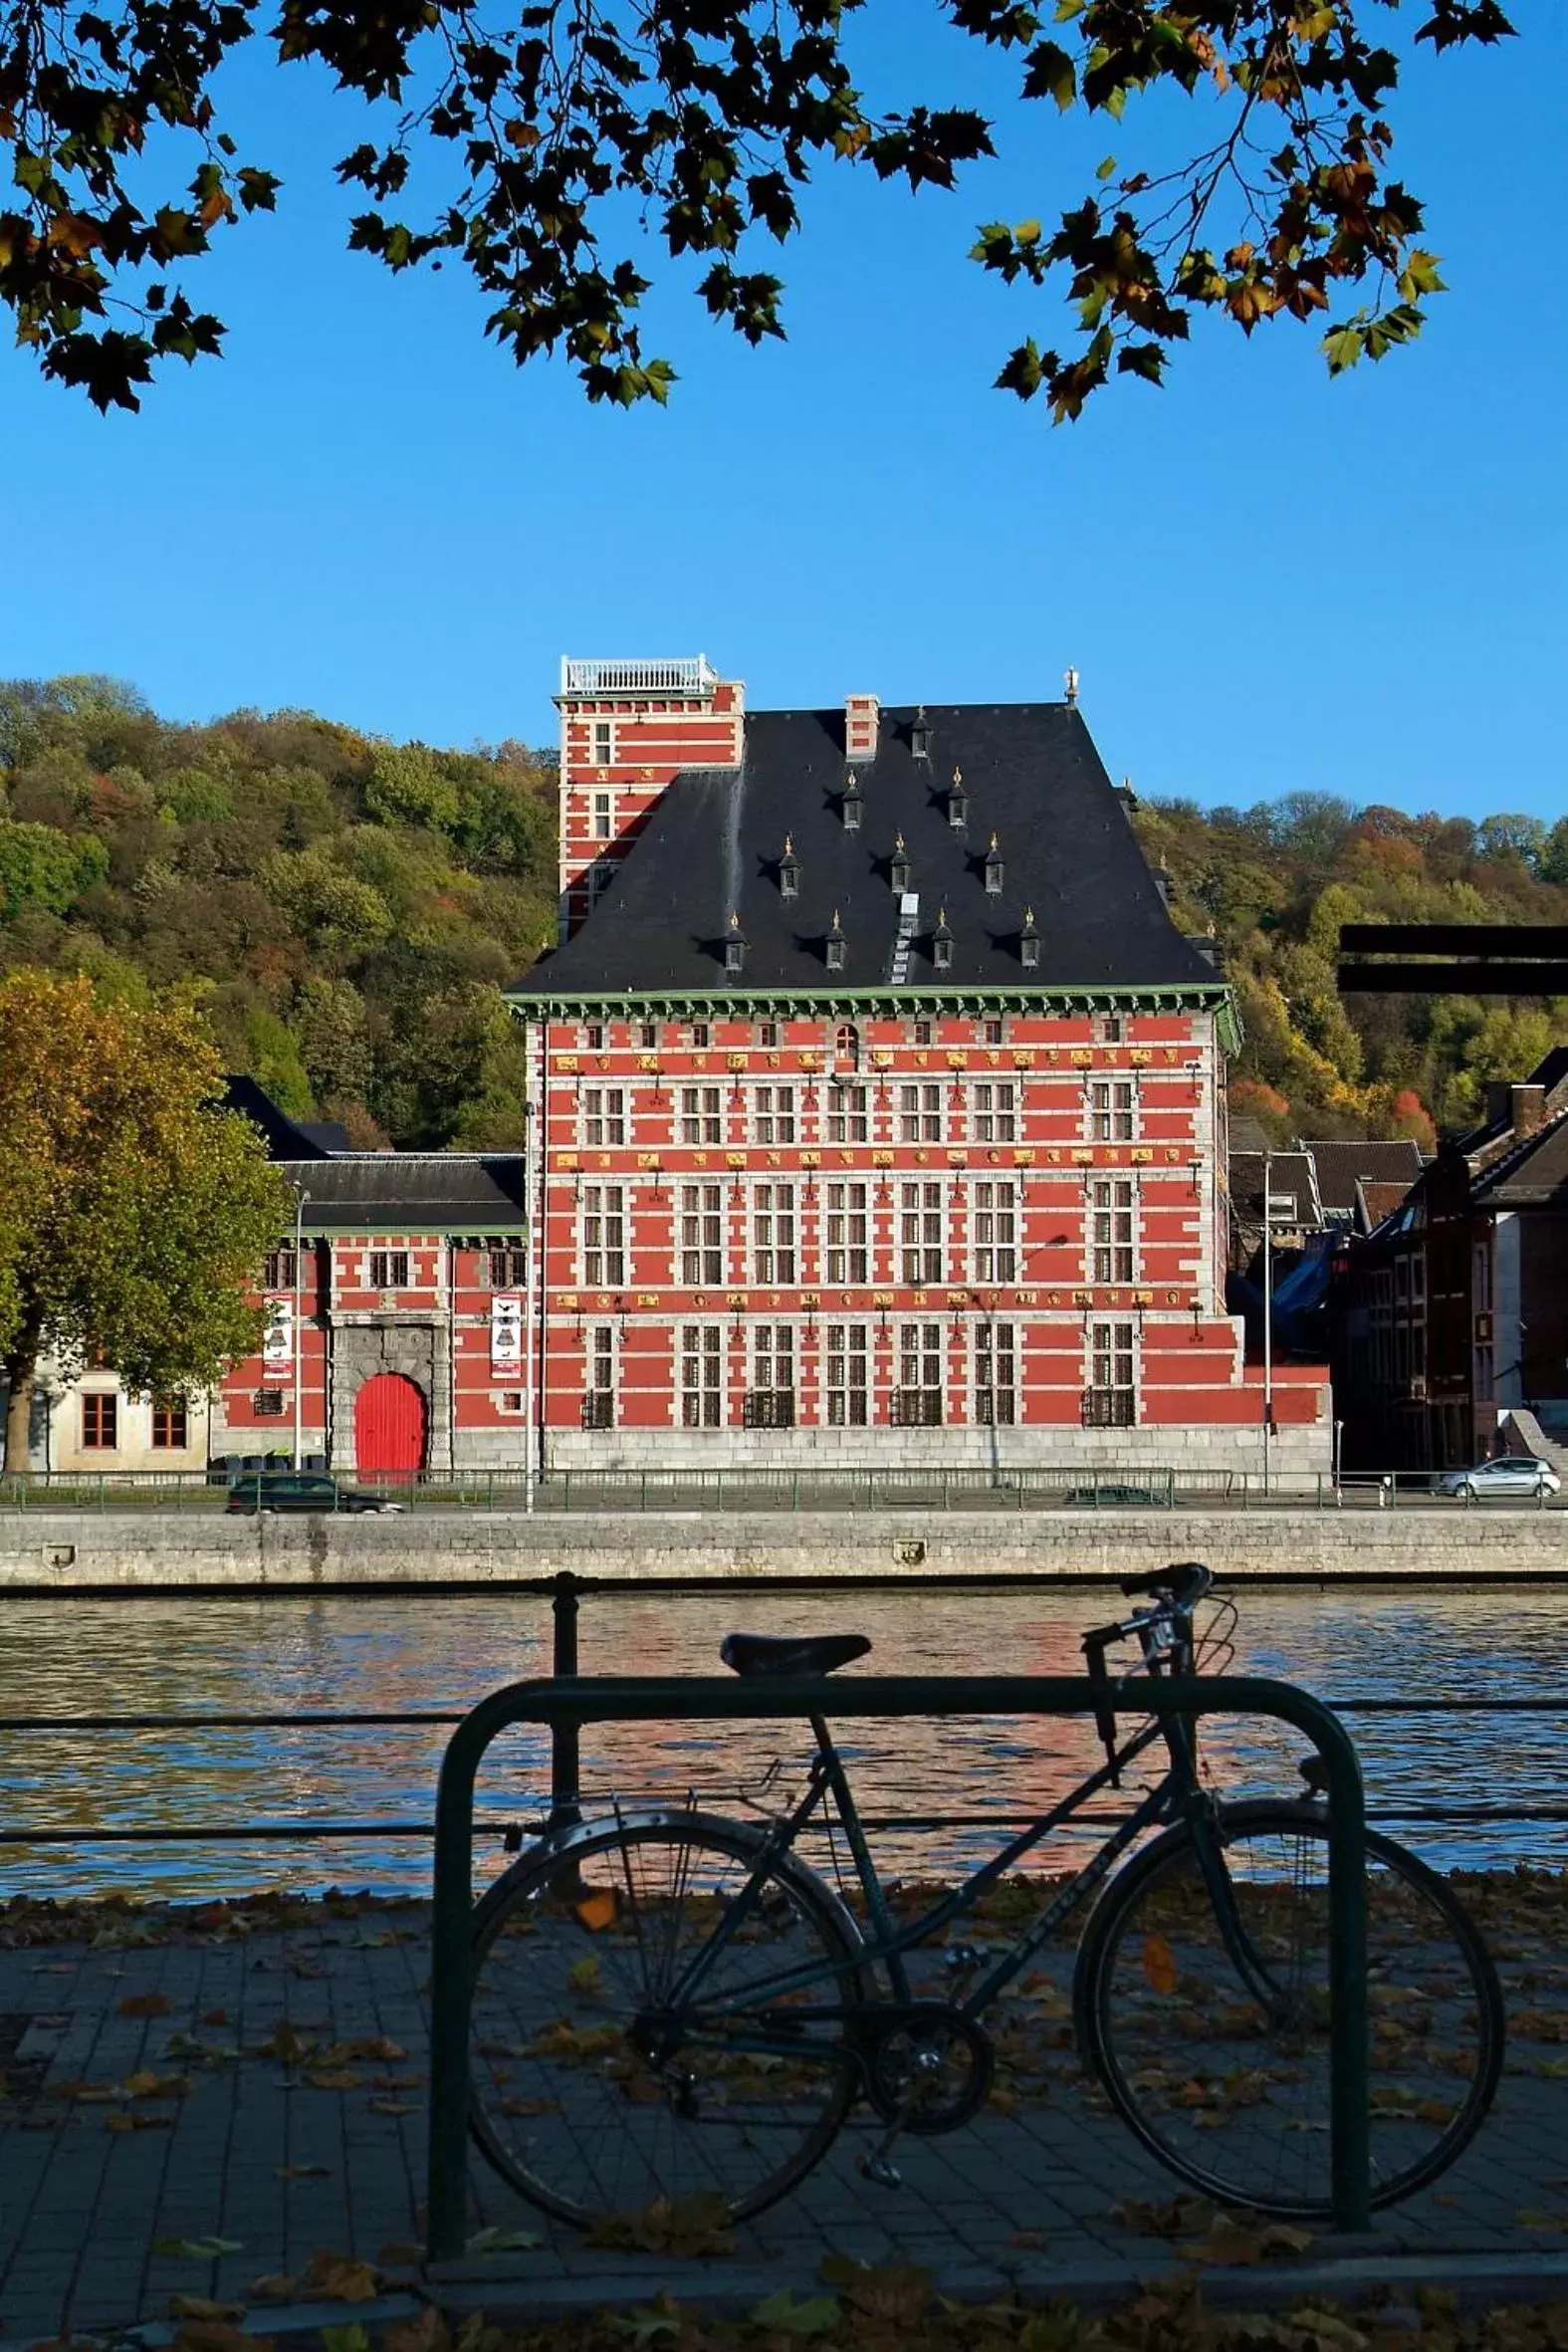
x: 564, y: 1704
x: 874, y: 1488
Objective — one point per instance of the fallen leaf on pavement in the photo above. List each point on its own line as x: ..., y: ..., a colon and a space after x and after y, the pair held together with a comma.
x: 198, y: 2249
x: 341, y: 2278
x: 144, y: 2005
x: 301, y: 2172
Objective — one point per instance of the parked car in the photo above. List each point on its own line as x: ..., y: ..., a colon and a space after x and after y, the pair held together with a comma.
x: 301, y: 1490
x: 1109, y: 1496
x: 1507, y: 1473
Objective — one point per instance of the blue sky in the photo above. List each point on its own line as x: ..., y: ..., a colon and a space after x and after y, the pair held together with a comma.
x: 1269, y: 581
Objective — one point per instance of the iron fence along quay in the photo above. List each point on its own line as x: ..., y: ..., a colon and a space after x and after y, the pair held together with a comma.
x: 788, y: 1491
x: 565, y: 1593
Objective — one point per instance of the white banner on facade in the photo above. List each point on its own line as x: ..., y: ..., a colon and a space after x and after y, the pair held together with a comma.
x: 506, y: 1334
x: 278, y: 1339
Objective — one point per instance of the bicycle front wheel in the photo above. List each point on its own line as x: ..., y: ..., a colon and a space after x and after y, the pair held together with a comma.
x: 658, y: 2016
x: 1233, y: 2092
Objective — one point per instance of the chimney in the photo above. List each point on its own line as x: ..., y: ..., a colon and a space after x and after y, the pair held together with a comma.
x: 861, y: 726
x: 1528, y: 1108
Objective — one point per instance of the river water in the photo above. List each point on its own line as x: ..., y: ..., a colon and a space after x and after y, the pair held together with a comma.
x: 188, y: 1655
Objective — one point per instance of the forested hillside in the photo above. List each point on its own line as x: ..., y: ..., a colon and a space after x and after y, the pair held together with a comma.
x: 346, y: 910
x: 1274, y: 882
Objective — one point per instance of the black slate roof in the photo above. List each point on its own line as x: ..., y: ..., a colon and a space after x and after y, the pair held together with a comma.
x: 1032, y: 777
x: 285, y: 1138
x: 411, y: 1192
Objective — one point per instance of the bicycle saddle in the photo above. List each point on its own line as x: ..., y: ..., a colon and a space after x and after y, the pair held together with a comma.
x: 790, y: 1653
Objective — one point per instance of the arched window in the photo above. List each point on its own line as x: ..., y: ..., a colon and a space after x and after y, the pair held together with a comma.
x: 846, y: 1042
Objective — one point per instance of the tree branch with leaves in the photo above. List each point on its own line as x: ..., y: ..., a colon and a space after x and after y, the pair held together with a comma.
x: 699, y: 122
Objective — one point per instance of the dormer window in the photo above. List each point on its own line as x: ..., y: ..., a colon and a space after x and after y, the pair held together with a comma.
x: 920, y: 735
x: 958, y: 802
x: 1029, y: 942
x: 941, y: 944
x: 852, y: 806
x: 734, y: 946
x: 838, y: 945
x: 898, y: 870
x: 788, y: 870
x: 993, y: 869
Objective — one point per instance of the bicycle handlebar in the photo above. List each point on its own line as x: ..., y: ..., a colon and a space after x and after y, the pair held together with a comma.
x: 1182, y: 1582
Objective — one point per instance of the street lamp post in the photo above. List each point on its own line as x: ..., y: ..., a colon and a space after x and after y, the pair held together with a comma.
x: 1271, y: 1202
x: 299, y: 1200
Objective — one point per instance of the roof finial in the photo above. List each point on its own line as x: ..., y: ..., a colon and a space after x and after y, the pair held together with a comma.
x: 1072, y: 688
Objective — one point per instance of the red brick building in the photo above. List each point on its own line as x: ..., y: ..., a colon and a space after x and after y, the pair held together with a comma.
x: 876, y: 1101
x: 395, y: 1309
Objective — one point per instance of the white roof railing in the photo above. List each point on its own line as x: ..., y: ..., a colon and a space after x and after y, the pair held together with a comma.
x: 691, y: 677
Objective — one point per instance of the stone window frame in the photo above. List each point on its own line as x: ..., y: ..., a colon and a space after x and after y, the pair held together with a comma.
x: 700, y: 1376
x: 852, y: 1215
x: 995, y: 1259
x: 775, y: 1234
x: 922, y: 1253
x: 387, y: 1269
x: 995, y: 1352
x: 1112, y: 1230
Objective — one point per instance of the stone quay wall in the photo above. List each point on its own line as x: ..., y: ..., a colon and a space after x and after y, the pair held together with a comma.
x: 144, y: 1552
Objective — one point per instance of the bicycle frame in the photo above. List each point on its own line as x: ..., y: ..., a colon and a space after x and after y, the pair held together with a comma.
x: 888, y: 1943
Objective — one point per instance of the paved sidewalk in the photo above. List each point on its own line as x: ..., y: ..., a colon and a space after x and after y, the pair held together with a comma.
x: 159, y: 2093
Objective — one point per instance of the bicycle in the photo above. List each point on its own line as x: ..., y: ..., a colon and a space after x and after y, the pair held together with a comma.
x: 670, y: 2004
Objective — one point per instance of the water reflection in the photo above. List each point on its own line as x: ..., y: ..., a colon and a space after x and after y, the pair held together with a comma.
x: 185, y: 1655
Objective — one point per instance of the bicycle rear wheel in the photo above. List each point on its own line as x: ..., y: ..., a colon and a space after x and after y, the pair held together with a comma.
x: 1237, y: 2101
x: 597, y: 2088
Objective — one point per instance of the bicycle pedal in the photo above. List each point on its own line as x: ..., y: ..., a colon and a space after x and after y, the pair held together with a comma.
x: 882, y: 2171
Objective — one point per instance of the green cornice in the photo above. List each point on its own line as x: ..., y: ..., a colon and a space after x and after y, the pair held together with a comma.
x: 880, y: 1001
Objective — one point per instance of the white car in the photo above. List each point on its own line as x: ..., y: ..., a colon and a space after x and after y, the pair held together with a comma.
x: 1507, y: 1473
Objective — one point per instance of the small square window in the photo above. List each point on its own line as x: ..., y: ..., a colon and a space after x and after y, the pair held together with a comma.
x: 990, y: 1033
x: 388, y: 1270
x: 594, y: 1037
x: 700, y: 1035
x: 648, y: 1036
x: 267, y: 1405
x: 922, y: 1032
x: 768, y: 1033
x: 511, y: 1400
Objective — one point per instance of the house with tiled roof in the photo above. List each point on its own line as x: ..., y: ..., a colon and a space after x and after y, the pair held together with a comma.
x: 1453, y: 1311
x: 875, y: 1100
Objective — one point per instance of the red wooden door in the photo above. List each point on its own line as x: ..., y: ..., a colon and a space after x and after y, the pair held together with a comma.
x: 389, y: 1427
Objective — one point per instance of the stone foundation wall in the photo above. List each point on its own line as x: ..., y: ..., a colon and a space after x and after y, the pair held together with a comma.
x: 1298, y: 1454
x: 147, y: 1551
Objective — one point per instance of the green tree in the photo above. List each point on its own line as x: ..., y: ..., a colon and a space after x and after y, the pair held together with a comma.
x: 533, y: 146
x: 407, y: 787
x: 132, y: 1208
x: 39, y: 868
